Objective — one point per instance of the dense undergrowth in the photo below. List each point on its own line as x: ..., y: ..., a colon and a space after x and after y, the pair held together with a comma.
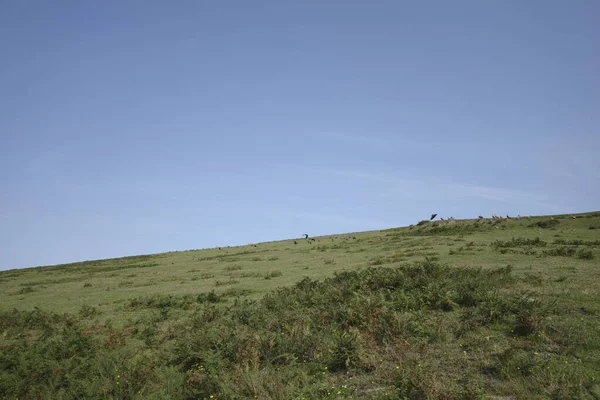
x: 527, y: 246
x: 415, y: 331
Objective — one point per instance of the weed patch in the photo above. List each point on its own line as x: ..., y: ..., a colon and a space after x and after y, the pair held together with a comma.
x: 585, y: 254
x: 26, y: 289
x: 161, y: 302
x: 518, y: 242
x: 577, y: 242
x: 273, y: 274
x: 560, y: 252
x: 226, y: 282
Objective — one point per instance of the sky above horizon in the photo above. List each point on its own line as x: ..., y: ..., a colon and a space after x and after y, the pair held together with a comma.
x: 141, y: 127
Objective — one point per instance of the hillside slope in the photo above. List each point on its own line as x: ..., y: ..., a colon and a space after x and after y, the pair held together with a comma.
x: 444, y: 309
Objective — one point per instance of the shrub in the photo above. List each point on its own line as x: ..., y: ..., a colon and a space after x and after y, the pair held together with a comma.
x: 560, y: 252
x: 210, y: 297
x: 518, y: 242
x: 273, y: 274
x: 88, y: 311
x: 377, y: 261
x: 26, y: 289
x: 226, y: 283
x: 161, y: 301
x: 578, y: 242
x: 585, y: 254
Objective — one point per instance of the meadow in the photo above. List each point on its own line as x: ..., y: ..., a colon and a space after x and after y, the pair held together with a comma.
x: 484, y: 308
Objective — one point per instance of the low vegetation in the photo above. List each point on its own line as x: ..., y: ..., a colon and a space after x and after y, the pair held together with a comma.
x: 376, y: 332
x: 446, y: 310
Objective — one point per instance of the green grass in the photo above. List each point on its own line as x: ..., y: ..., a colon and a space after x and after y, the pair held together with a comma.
x: 466, y: 309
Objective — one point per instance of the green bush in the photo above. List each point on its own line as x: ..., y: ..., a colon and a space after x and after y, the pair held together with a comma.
x: 273, y: 274
x: 26, y: 289
x: 231, y: 281
x: 87, y: 311
x: 518, y: 242
x: 577, y: 242
x: 210, y: 297
x: 585, y: 254
x: 378, y: 261
x: 161, y: 302
x: 563, y: 251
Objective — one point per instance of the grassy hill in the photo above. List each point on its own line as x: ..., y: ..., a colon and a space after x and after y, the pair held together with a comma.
x: 482, y: 308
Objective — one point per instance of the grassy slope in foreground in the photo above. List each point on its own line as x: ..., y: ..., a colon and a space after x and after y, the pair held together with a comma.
x: 393, y: 322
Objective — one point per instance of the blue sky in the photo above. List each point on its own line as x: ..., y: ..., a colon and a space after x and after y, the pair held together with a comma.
x: 147, y: 126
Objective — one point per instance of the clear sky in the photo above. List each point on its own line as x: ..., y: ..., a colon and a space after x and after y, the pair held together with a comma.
x: 136, y: 127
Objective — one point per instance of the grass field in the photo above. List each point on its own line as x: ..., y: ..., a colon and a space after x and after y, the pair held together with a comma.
x: 465, y: 309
